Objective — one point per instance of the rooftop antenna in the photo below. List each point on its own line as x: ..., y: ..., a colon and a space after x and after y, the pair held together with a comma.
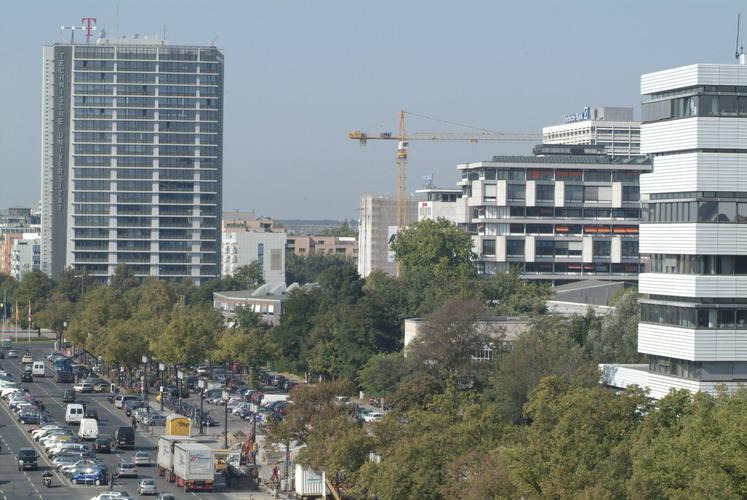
x: 72, y: 31
x: 738, y: 50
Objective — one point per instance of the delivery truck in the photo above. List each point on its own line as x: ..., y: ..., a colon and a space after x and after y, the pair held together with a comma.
x: 165, y: 456
x: 193, y: 466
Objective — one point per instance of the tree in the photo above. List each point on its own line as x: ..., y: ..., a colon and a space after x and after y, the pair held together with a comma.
x: 508, y: 295
x: 123, y: 278
x: 307, y: 268
x: 546, y: 349
x: 436, y: 245
x: 250, y: 276
x: 617, y: 339
x: 343, y: 229
x: 291, y: 336
x: 247, y: 347
x: 382, y: 373
x: 578, y: 443
x: 450, y: 337
x: 35, y: 289
x: 189, y: 336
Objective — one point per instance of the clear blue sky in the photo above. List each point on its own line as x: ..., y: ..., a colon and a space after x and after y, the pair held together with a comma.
x: 300, y: 74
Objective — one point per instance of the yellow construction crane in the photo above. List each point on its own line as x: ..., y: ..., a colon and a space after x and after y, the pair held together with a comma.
x: 404, y: 138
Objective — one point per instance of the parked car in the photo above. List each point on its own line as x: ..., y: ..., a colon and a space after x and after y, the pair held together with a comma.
x: 373, y: 416
x: 29, y: 417
x: 126, y: 469
x: 147, y: 487
x: 142, y: 458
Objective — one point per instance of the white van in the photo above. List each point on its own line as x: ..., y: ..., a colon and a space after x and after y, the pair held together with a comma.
x: 89, y: 428
x: 74, y: 413
x: 37, y: 369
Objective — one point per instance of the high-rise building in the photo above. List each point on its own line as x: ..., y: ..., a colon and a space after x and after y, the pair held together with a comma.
x: 25, y: 255
x: 564, y: 214
x: 132, y: 160
x: 693, y: 239
x: 377, y: 227
x: 613, y: 128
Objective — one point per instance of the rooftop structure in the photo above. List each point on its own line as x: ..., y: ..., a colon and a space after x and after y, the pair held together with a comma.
x: 612, y: 128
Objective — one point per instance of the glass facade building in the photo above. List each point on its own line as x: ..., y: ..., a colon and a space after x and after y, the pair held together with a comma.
x: 132, y: 159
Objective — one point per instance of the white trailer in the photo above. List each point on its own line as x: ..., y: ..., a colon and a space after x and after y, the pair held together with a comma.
x: 309, y: 483
x: 165, y: 456
x: 194, y: 467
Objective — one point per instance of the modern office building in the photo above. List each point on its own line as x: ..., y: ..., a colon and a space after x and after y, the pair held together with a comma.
x: 694, y: 238
x: 377, y: 226
x: 25, y: 255
x: 613, y: 128
x: 563, y: 214
x: 248, y: 239
x: 132, y: 134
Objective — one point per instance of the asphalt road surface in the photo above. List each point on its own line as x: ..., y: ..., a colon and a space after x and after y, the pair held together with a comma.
x: 17, y: 484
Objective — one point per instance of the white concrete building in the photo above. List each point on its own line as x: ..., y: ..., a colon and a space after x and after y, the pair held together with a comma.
x: 694, y: 234
x: 241, y: 248
x: 376, y: 227
x: 26, y: 255
x: 613, y: 128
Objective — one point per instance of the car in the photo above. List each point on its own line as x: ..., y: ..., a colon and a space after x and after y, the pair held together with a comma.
x: 63, y: 460
x: 93, y: 475
x: 103, y: 445
x: 91, y: 413
x: 68, y: 396
x: 27, y: 359
x: 142, y: 458
x: 71, y: 469
x: 83, y: 387
x: 12, y: 354
x: 27, y: 458
x: 27, y: 377
x: 147, y: 487
x: 110, y: 495
x: 29, y: 417
x: 166, y: 496
x: 126, y: 469
x: 373, y: 416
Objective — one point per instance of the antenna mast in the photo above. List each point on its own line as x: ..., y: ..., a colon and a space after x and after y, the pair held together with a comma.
x: 738, y: 50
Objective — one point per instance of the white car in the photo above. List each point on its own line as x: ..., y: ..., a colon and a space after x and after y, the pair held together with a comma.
x: 142, y: 458
x: 27, y: 359
x: 373, y: 416
x: 147, y: 487
x: 12, y: 354
x: 37, y: 433
x: 83, y: 387
x: 110, y: 495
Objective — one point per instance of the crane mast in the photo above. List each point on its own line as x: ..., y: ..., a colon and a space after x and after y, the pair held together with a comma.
x: 403, y: 139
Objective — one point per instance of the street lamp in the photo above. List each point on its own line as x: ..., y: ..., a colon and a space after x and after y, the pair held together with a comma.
x: 226, y: 395
x: 145, y: 392
x: 161, y: 368
x: 180, y: 377
x: 201, y: 385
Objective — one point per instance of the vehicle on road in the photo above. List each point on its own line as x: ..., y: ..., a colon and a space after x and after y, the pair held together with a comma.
x: 103, y: 445
x: 166, y: 496
x: 74, y: 413
x: 83, y: 387
x: 91, y: 475
x: 165, y: 454
x: 91, y: 413
x: 194, y: 467
x: 12, y: 354
x: 27, y: 359
x: 127, y: 469
x: 124, y: 437
x: 68, y: 396
x: 111, y: 495
x: 27, y: 459
x: 147, y: 487
x: 120, y: 399
x: 38, y: 369
x: 89, y: 428
x: 142, y: 458
x: 27, y: 377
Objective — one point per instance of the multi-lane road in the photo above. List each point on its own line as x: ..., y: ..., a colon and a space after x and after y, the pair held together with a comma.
x: 28, y: 484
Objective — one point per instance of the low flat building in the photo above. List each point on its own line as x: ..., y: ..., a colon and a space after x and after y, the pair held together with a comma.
x: 266, y: 301
x: 504, y: 329
x: 342, y: 246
